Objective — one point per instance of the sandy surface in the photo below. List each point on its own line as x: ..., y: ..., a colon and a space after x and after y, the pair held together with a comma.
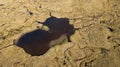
x: 96, y: 44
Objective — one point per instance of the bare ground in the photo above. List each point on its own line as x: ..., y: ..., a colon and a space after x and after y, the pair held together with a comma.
x: 96, y: 44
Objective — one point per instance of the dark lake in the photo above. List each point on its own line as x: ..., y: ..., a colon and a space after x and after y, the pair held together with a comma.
x: 37, y: 42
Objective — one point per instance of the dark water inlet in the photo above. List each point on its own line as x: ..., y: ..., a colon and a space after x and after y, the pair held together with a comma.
x: 37, y: 42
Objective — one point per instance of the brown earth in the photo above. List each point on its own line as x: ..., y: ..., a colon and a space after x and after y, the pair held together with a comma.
x: 96, y: 44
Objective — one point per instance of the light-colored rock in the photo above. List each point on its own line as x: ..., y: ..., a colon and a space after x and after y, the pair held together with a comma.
x: 95, y: 44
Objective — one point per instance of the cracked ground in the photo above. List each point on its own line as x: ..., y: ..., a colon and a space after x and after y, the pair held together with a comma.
x: 95, y: 44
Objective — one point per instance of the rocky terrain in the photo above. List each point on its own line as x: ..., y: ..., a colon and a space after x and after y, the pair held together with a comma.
x: 95, y: 44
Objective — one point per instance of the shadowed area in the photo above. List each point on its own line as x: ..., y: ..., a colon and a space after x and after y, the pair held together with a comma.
x: 38, y: 42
